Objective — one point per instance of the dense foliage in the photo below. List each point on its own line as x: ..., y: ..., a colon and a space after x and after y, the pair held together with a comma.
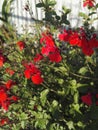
x: 49, y: 79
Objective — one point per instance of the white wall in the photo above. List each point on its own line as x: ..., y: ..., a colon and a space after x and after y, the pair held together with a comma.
x: 22, y: 20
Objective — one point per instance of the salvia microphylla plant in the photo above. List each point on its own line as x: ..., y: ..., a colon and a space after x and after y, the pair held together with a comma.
x: 49, y: 79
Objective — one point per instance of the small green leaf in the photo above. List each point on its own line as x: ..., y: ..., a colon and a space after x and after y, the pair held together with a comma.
x: 52, y: 3
x: 23, y: 124
x: 83, y: 70
x: 67, y: 22
x: 23, y: 116
x: 92, y: 13
x: 85, y: 16
x: 43, y: 96
x: 39, y: 5
x: 97, y: 5
x: 70, y: 125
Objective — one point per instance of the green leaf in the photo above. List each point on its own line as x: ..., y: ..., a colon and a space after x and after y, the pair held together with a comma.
x: 23, y: 116
x: 39, y: 5
x: 43, y: 96
x: 67, y: 22
x: 73, y: 83
x: 92, y: 13
x: 85, y: 16
x: 54, y: 104
x: 76, y: 97
x: 83, y: 70
x: 97, y: 5
x: 70, y: 125
x: 77, y: 107
x: 41, y: 123
x: 55, y: 109
x: 23, y: 124
x: 65, y: 10
x: 52, y: 3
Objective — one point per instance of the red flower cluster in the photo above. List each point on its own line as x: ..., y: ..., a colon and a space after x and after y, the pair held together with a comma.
x: 3, y: 121
x: 89, y: 3
x: 9, y: 84
x: 80, y: 39
x: 5, y: 99
x: 4, y: 102
x: 2, y: 60
x: 50, y: 49
x: 38, y: 57
x: 87, y: 99
x: 9, y: 71
x: 21, y: 45
x: 34, y: 73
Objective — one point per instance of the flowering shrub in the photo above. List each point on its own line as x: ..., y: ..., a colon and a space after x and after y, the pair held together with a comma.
x: 48, y: 80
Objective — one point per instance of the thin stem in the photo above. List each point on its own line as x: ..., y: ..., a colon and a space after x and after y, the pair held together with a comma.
x: 83, y: 77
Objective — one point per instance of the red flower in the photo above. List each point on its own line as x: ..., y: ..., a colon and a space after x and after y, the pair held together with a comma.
x: 87, y: 99
x: 47, y: 39
x: 21, y: 45
x: 3, y: 95
x: 15, y: 98
x: 93, y: 42
x: 86, y: 47
x: 5, y: 105
x: 9, y: 71
x: 3, y: 121
x: 89, y: 3
x: 27, y: 73
x: 55, y: 57
x: 65, y: 35
x: 4, y: 99
x: 37, y: 79
x: 31, y: 69
x: 38, y: 57
x: 47, y: 49
x: 75, y: 40
x: 2, y: 60
x: 9, y: 84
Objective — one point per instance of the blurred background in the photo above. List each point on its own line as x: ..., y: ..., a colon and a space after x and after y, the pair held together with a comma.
x: 21, y: 19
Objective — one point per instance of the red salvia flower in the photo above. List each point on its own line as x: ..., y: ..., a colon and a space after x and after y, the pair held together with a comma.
x: 55, y: 56
x: 9, y: 84
x: 4, y: 121
x: 14, y: 98
x: 3, y: 95
x: 5, y: 105
x: 75, y: 39
x: 21, y: 45
x: 87, y: 99
x: 38, y: 57
x: 37, y: 79
x: 27, y: 73
x: 86, y: 47
x: 47, y: 39
x: 2, y: 60
x: 65, y: 35
x: 30, y: 70
x: 9, y: 71
x: 89, y: 3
